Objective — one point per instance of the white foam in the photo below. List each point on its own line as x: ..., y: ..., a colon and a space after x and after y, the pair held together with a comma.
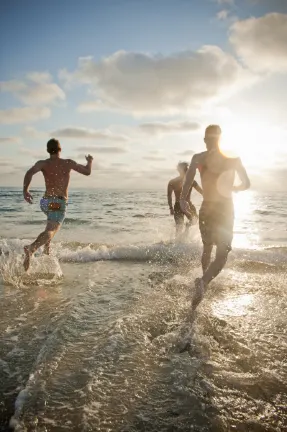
x: 129, y: 253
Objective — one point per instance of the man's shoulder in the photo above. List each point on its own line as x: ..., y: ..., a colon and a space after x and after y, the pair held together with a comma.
x: 199, y: 157
x: 174, y: 180
x: 42, y: 162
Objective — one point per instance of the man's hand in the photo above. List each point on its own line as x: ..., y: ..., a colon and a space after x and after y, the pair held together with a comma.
x: 185, y: 208
x: 28, y: 197
x: 89, y: 158
x: 171, y: 211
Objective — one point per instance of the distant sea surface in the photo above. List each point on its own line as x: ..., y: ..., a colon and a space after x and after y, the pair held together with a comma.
x: 99, y: 336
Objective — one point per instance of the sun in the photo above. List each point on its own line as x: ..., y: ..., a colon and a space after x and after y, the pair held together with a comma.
x: 256, y: 144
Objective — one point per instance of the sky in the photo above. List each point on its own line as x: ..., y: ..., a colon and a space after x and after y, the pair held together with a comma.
x: 136, y: 82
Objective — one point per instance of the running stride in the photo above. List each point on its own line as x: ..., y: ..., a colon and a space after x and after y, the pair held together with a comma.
x: 216, y: 215
x: 54, y: 203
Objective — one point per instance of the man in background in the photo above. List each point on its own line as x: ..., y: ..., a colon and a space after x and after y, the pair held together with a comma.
x: 216, y: 216
x: 56, y: 172
x: 175, y: 186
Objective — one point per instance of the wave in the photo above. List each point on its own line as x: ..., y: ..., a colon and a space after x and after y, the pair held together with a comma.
x: 261, y: 260
x: 68, y: 221
x: 156, y: 252
x: 148, y: 215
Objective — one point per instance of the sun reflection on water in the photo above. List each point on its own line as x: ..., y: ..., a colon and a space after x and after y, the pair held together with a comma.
x: 244, y: 207
x: 234, y: 306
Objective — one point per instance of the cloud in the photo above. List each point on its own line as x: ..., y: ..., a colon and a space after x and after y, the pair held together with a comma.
x: 107, y: 150
x: 222, y: 15
x: 10, y: 140
x: 23, y: 115
x: 228, y: 2
x: 36, y: 88
x: 161, y: 128
x: 145, y: 84
x: 84, y: 133
x: 154, y: 158
x: 35, y: 154
x: 261, y: 42
x: 31, y: 132
x: 189, y: 153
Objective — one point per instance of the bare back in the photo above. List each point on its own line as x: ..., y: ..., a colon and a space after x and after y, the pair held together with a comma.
x: 56, y: 173
x: 217, y: 174
x: 176, y: 186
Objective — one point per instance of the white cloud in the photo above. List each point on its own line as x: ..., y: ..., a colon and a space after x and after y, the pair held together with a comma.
x: 23, y: 115
x: 35, y: 154
x: 84, y: 133
x: 31, y: 132
x: 36, y: 88
x: 10, y: 140
x: 107, y: 150
x: 186, y: 153
x: 225, y: 2
x: 222, y: 15
x: 154, y: 158
x: 162, y: 128
x: 261, y: 42
x: 145, y: 84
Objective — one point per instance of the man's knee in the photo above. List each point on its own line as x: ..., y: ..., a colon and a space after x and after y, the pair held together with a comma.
x: 222, y: 252
x: 207, y: 249
x: 52, y: 228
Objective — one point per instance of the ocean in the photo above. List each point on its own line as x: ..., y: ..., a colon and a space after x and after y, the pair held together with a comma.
x: 99, y: 336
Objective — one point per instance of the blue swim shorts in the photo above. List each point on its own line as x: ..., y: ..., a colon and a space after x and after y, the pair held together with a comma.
x: 54, y: 208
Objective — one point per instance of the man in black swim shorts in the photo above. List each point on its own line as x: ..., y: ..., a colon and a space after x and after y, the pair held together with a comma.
x: 216, y: 215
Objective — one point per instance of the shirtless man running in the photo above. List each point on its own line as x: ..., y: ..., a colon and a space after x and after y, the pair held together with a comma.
x: 216, y: 215
x: 175, y: 186
x: 56, y: 172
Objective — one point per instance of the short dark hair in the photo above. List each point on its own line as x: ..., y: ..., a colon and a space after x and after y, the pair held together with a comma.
x: 213, y: 131
x: 53, y: 146
x: 183, y: 165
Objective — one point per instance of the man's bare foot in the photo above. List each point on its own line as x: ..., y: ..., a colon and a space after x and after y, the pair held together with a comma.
x: 199, y: 290
x: 27, y: 258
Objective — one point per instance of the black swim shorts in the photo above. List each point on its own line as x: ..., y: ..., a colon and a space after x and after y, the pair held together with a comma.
x: 216, y: 220
x: 179, y: 215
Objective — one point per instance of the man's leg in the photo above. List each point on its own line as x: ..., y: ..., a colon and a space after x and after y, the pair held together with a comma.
x: 179, y: 220
x: 212, y: 271
x: 217, y: 265
x: 47, y: 248
x: 206, y: 257
x: 44, y: 238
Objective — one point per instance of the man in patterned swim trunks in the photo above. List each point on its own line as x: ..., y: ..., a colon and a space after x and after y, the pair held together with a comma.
x: 175, y: 186
x: 216, y: 215
x: 56, y: 172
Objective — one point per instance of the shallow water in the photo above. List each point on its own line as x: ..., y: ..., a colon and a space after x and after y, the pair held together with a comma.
x: 100, y: 336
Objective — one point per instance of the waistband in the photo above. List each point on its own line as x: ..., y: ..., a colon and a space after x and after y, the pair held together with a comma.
x: 55, y: 196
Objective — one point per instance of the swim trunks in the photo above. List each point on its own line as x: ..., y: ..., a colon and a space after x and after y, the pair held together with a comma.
x: 216, y: 220
x: 54, y: 208
x: 179, y: 215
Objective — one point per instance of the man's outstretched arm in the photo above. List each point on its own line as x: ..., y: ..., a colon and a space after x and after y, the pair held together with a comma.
x: 242, y: 174
x: 83, y: 169
x: 27, y: 180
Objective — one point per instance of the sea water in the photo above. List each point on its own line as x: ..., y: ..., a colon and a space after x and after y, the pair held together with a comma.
x: 100, y: 336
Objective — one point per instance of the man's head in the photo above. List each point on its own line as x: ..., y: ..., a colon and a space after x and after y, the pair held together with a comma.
x: 182, y: 168
x: 212, y: 136
x: 53, y: 147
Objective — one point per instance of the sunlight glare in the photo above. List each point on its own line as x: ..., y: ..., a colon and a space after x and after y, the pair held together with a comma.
x: 256, y: 145
x: 234, y: 306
